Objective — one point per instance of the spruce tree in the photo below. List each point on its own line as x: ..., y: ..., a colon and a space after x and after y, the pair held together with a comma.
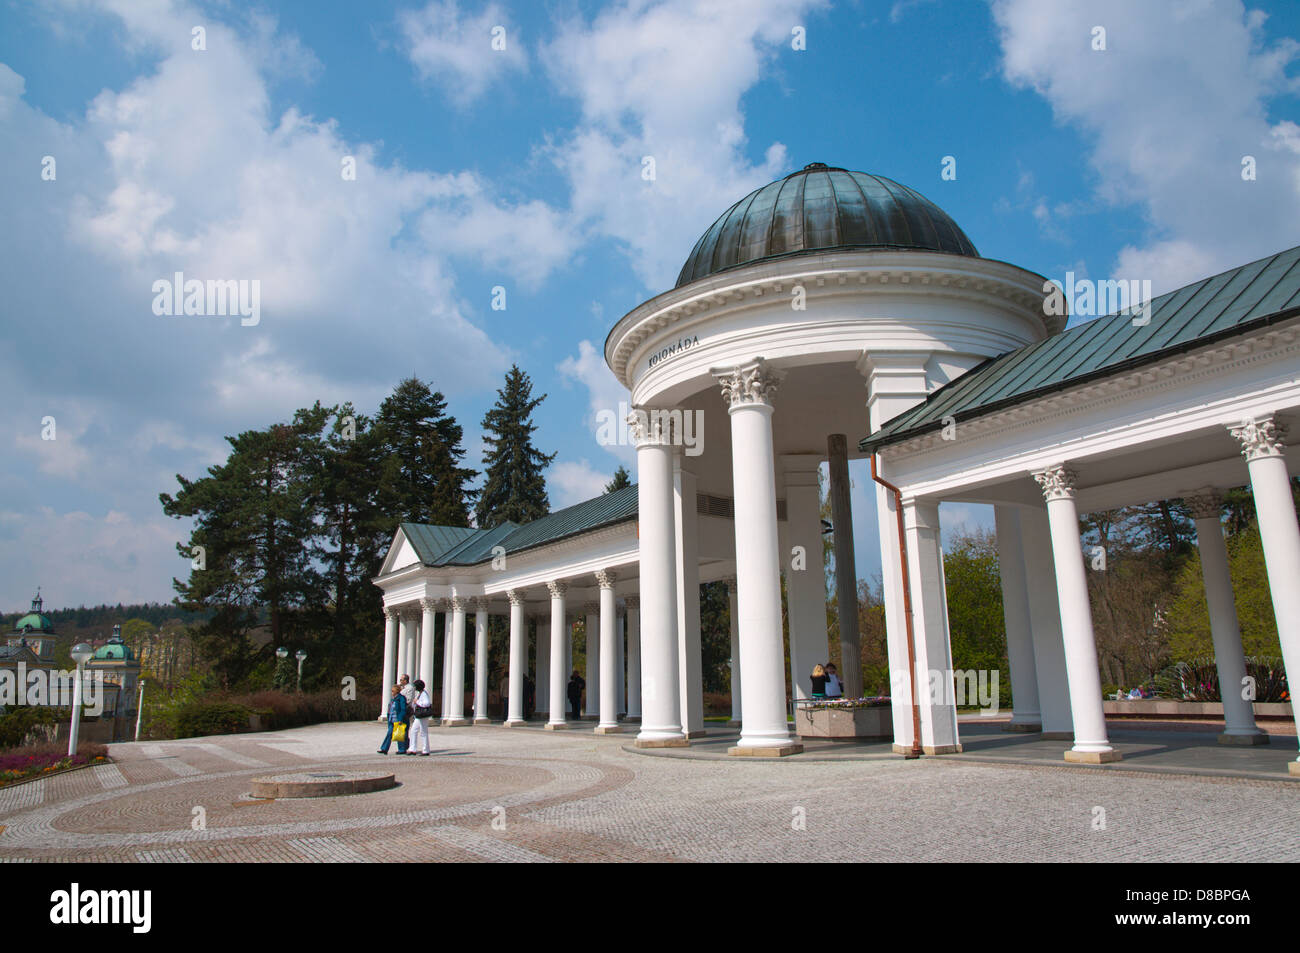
x: 622, y: 480
x: 422, y: 481
x: 514, y: 488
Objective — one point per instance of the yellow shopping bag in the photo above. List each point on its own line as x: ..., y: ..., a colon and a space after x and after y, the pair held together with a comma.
x: 399, y: 731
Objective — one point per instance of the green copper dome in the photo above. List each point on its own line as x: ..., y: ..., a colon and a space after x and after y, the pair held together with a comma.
x: 113, y: 651
x: 34, y: 622
x: 820, y: 208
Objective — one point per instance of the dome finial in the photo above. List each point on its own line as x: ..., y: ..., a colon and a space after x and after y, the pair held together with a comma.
x: 815, y: 165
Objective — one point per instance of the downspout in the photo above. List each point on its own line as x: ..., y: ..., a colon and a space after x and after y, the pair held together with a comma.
x: 915, y: 752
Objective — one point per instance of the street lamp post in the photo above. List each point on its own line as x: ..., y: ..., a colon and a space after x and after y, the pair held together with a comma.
x: 81, y: 653
x: 139, y: 712
x: 301, y: 656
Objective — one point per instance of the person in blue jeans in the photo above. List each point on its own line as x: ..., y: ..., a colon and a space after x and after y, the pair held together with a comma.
x: 396, y: 713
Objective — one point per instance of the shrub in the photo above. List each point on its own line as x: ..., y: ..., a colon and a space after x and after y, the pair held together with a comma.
x: 24, y: 724
x: 211, y: 718
x: 1198, y: 680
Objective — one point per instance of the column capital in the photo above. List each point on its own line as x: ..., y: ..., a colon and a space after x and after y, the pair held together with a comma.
x: 632, y: 601
x: 516, y: 596
x: 1205, y: 503
x: 1058, y: 482
x: 591, y: 607
x: 429, y: 605
x: 1259, y: 437
x: 391, y: 613
x: 557, y: 587
x: 731, y: 583
x: 444, y: 604
x: 479, y: 603
x: 458, y: 603
x: 605, y: 578
x: 651, y: 426
x: 754, y: 382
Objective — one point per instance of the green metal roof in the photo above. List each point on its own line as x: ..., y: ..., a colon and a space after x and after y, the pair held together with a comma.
x: 473, y: 546
x: 1257, y: 294
x: 431, y: 542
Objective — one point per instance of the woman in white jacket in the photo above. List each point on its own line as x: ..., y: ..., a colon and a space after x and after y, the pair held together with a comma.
x: 421, y: 710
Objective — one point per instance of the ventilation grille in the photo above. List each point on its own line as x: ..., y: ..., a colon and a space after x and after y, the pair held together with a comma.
x: 725, y: 506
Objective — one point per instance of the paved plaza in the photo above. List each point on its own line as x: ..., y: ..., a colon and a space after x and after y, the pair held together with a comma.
x: 497, y: 794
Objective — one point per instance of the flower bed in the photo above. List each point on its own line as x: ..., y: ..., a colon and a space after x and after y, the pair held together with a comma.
x: 23, y: 763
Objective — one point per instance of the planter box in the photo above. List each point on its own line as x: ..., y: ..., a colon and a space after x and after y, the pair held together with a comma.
x: 845, y: 722
x: 1167, y: 708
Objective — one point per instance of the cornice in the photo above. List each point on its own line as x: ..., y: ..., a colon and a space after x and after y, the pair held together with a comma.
x: 931, y: 274
x: 1270, y: 345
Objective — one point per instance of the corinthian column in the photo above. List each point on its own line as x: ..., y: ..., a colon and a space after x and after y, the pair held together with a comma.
x: 1091, y: 744
x: 748, y: 391
x: 559, y: 676
x: 1270, y: 485
x: 480, y: 661
x: 455, y: 638
x: 428, y: 614
x: 390, y: 661
x: 518, y: 658
x: 656, y: 526
x: 608, y: 654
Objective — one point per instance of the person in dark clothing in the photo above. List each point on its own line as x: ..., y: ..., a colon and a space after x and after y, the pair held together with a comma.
x: 530, y: 697
x: 576, y: 684
x: 818, y: 682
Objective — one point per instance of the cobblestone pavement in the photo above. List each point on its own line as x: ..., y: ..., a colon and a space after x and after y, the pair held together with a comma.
x: 490, y: 794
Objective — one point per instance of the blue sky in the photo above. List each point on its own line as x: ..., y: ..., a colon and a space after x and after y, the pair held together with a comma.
x: 521, y: 168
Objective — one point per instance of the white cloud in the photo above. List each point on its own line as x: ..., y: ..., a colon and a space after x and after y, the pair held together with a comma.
x: 604, y: 391
x: 1170, y: 108
x: 457, y: 51
x: 80, y: 558
x: 568, y: 483
x: 666, y: 80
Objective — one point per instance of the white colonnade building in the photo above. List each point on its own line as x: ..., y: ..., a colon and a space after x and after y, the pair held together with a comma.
x: 828, y: 305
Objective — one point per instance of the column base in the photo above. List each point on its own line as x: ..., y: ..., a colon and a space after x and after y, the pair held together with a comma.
x: 941, y: 749
x: 1092, y: 757
x: 482, y: 721
x: 1294, y: 768
x: 697, y: 733
x: 1028, y: 727
x: 661, y: 743
x: 774, y: 752
x: 454, y: 722
x: 608, y: 729
x: 1058, y: 735
x: 557, y: 726
x: 515, y: 723
x: 1258, y: 738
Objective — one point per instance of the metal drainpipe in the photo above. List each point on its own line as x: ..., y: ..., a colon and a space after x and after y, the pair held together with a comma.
x: 915, y: 752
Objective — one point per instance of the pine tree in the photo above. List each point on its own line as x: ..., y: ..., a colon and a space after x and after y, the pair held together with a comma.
x: 422, y: 481
x: 622, y: 480
x: 514, y: 488
x: 253, y: 520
